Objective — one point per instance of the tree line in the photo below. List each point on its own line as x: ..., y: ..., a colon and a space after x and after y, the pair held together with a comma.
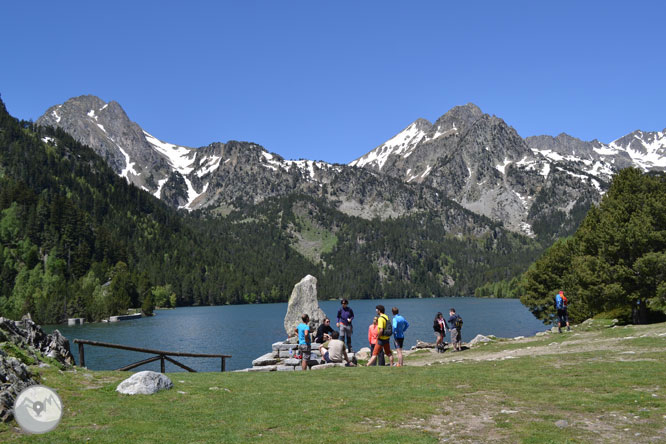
x: 615, y: 263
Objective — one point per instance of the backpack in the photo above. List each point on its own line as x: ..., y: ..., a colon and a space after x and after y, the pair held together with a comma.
x: 559, y: 302
x: 459, y: 322
x: 388, y: 329
x: 565, y: 301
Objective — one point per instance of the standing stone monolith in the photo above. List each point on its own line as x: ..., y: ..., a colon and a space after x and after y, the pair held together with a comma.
x: 303, y: 299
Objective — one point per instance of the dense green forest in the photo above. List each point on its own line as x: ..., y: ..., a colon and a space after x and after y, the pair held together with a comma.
x: 76, y: 240
x: 411, y: 256
x: 615, y: 263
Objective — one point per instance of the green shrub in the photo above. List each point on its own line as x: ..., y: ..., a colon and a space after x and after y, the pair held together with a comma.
x: 622, y: 314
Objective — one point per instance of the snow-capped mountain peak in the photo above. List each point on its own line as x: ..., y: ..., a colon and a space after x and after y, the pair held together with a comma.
x: 647, y: 150
x: 402, y: 144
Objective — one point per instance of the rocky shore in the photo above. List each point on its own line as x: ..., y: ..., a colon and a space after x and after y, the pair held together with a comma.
x: 28, y: 340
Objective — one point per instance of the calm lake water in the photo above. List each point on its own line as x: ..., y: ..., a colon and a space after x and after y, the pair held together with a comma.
x: 247, y: 331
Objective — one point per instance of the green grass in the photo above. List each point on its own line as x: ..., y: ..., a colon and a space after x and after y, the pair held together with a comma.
x: 314, y: 240
x: 601, y: 397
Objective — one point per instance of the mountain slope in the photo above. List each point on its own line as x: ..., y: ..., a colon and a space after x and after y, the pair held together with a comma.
x: 222, y: 177
x: 541, y: 185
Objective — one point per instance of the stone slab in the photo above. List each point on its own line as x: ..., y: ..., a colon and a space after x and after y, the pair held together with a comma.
x: 328, y: 365
x: 280, y: 346
x: 263, y: 368
x: 267, y: 359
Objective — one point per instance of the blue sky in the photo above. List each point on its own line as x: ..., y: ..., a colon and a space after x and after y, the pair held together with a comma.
x: 332, y: 80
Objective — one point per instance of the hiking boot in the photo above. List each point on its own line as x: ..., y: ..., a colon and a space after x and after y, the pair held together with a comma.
x: 559, y: 329
x: 568, y: 328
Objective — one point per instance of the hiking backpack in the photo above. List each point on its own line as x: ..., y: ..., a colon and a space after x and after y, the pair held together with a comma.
x: 459, y: 322
x: 388, y: 329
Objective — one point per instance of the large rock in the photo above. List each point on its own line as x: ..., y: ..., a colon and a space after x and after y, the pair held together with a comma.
x: 303, y: 299
x: 479, y: 339
x: 14, y: 377
x: 144, y: 383
x: 29, y: 336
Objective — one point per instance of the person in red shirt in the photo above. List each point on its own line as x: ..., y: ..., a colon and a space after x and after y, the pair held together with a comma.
x: 373, y: 334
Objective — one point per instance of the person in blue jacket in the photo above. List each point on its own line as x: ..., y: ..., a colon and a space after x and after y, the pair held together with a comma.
x: 561, y: 307
x: 400, y: 324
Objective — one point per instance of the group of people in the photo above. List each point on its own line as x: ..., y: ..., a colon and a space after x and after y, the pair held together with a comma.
x: 454, y: 327
x: 335, y: 345
x: 332, y: 348
x: 379, y: 336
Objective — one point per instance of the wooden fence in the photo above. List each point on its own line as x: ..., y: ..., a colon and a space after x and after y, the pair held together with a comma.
x: 161, y: 355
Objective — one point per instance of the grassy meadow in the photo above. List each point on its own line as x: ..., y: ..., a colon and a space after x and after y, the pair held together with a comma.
x: 595, y: 384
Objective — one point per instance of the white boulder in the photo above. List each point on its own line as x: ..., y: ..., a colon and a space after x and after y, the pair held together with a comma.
x: 144, y: 383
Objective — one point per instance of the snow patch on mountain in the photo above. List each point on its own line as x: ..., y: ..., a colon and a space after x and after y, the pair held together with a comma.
x: 527, y: 229
x: 441, y: 132
x: 179, y: 157
x: 160, y: 184
x: 402, y: 144
x: 646, y: 150
x: 210, y: 165
x: 501, y: 167
x: 56, y: 116
x: 306, y: 166
x: 129, y: 165
x: 192, y: 194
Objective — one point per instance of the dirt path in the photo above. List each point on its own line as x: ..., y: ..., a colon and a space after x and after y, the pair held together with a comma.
x: 478, y: 419
x: 578, y: 341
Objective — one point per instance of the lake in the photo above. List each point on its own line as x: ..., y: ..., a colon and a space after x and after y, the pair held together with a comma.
x: 247, y: 331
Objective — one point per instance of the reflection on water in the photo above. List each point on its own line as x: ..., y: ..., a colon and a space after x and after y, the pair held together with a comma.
x: 247, y: 331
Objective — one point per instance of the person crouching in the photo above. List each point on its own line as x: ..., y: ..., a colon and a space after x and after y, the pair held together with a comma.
x: 334, y: 350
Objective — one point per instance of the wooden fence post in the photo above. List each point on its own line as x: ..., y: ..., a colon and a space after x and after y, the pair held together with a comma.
x: 82, y: 359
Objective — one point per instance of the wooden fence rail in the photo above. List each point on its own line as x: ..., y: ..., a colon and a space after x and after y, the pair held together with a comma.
x: 161, y: 355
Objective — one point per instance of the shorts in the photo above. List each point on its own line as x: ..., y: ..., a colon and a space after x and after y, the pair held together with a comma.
x: 305, y: 350
x: 399, y: 342
x: 455, y: 336
x: 384, y: 344
x: 562, y: 316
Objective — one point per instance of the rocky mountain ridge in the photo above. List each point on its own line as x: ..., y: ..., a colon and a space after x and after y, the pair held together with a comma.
x: 483, y: 164
x: 224, y: 176
x: 466, y: 159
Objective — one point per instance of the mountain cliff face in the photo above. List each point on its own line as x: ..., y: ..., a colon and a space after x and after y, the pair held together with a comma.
x: 467, y: 163
x: 108, y: 131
